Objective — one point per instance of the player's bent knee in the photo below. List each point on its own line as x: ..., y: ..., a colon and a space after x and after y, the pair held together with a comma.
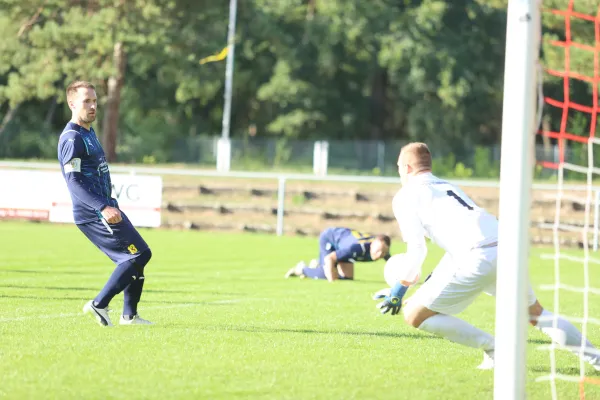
x: 412, y: 320
x: 411, y: 315
x: 143, y: 258
x: 415, y: 314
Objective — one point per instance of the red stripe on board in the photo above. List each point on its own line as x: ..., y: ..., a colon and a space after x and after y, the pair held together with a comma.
x: 18, y: 213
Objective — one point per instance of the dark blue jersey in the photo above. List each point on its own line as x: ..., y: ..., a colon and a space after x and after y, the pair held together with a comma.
x: 350, y: 245
x: 86, y: 172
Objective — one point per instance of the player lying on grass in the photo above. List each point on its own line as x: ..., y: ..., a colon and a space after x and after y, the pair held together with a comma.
x: 429, y: 206
x: 339, y: 248
x: 96, y: 213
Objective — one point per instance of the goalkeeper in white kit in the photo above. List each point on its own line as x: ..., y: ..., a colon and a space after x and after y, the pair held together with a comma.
x: 427, y: 206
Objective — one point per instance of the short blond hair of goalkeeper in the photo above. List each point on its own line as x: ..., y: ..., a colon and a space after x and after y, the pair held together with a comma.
x: 415, y: 158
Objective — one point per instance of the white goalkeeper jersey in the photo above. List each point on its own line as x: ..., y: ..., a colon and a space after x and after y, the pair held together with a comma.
x: 428, y: 206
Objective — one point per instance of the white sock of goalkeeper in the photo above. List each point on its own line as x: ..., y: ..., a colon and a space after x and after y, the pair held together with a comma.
x: 566, y: 334
x: 458, y: 331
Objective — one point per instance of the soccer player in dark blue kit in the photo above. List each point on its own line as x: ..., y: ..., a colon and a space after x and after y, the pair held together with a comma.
x: 96, y: 213
x: 339, y: 248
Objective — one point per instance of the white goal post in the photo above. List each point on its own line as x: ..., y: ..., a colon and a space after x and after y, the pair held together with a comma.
x: 516, y: 168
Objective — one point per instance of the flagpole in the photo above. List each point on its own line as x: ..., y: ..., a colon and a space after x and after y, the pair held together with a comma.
x: 229, y: 69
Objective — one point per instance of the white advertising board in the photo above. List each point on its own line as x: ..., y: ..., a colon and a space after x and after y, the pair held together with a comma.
x: 43, y: 195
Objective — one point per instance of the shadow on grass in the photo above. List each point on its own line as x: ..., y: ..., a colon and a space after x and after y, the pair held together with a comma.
x: 417, y: 336
x: 261, y: 329
x: 96, y: 289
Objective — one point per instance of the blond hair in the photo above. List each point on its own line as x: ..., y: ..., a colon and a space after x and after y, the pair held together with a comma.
x: 72, y: 88
x: 417, y: 155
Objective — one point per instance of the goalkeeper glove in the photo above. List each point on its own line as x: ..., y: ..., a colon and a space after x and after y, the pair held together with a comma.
x: 393, y: 301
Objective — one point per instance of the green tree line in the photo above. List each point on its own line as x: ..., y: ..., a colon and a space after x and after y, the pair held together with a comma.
x: 429, y: 70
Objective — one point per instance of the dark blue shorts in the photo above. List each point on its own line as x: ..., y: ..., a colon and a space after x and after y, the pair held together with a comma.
x: 325, y: 245
x: 122, y: 245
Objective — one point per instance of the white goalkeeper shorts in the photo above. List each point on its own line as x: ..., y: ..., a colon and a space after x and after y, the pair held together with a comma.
x: 457, y: 281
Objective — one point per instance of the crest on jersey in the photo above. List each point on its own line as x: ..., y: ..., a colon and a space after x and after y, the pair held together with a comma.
x: 103, y: 167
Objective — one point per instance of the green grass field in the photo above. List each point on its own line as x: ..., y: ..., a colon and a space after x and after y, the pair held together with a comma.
x: 228, y: 326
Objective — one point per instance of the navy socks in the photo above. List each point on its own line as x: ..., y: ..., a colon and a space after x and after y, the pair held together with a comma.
x: 125, y: 277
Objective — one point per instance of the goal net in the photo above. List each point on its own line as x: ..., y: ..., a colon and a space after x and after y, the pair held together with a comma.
x: 569, y: 81
x: 552, y: 79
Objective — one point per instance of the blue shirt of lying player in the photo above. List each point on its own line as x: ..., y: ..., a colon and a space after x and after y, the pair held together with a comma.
x: 339, y: 249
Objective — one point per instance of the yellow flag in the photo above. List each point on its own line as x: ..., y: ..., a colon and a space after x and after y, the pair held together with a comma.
x: 217, y: 57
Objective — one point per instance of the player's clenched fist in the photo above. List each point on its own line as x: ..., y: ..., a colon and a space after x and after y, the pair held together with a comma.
x: 112, y: 215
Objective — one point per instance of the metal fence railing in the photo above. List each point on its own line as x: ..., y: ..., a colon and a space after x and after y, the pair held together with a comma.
x: 359, y: 157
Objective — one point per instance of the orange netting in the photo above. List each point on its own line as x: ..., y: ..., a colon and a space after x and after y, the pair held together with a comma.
x: 568, y: 74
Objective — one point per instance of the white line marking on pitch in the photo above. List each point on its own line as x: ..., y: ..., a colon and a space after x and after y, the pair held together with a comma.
x: 73, y: 315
